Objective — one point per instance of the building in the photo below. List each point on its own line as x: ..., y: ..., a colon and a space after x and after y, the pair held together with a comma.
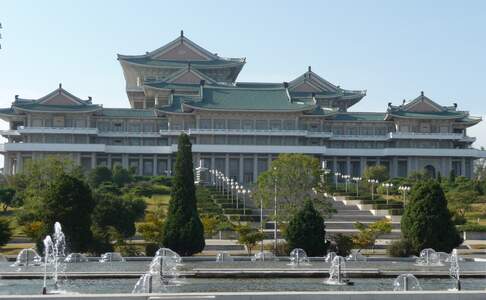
x: 236, y: 127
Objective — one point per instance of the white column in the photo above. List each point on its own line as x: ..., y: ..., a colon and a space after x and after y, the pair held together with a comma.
x: 140, y: 165
x: 348, y: 165
x: 226, y: 165
x: 463, y: 166
x: 154, y: 165
x: 93, y: 160
x: 125, y: 160
x: 241, y: 174
x: 255, y: 167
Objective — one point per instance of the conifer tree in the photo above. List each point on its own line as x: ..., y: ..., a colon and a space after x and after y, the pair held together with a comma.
x: 183, y: 230
x: 306, y: 230
x: 427, y: 222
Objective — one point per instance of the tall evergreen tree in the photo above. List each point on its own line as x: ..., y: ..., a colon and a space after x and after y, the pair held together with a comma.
x: 306, y: 230
x: 427, y: 222
x: 183, y: 231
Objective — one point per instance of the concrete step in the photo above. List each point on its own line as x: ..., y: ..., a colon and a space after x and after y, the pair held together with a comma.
x: 355, y: 218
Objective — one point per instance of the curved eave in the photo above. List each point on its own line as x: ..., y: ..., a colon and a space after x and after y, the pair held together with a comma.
x: 391, y: 116
x: 57, y: 111
x: 229, y: 64
x: 165, y: 89
x: 248, y: 110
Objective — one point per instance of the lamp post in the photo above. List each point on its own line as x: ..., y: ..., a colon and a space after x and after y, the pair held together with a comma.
x: 357, y: 180
x: 346, y: 181
x: 387, y: 186
x: 336, y: 177
x: 373, y: 182
x: 404, y: 189
x: 237, y: 192
x: 275, y: 214
x: 243, y: 191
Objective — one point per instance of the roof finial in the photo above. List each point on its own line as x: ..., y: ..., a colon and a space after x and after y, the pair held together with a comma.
x: 422, y: 93
x: 310, y: 69
x: 60, y: 85
x: 189, y: 66
x: 182, y: 33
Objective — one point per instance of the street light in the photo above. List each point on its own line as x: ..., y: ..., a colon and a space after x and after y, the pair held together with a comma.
x: 387, y: 186
x: 357, y: 180
x: 336, y: 176
x: 243, y: 191
x: 404, y: 189
x: 275, y: 214
x: 373, y: 182
x: 346, y: 181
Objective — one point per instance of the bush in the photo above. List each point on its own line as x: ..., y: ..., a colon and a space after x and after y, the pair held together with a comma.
x: 399, y: 248
x: 341, y: 244
x: 472, y: 227
x: 163, y: 180
x: 5, y: 231
x: 151, y: 249
x: 306, y: 230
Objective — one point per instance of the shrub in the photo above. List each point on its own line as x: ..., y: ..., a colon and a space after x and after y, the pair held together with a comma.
x: 341, y: 244
x: 151, y: 249
x: 399, y: 248
x: 472, y: 227
x: 5, y: 231
x: 306, y: 230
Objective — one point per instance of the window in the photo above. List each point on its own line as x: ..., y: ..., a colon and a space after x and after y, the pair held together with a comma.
x: 289, y: 125
x: 234, y: 124
x: 205, y: 123
x: 275, y: 125
x: 219, y: 124
x: 261, y: 124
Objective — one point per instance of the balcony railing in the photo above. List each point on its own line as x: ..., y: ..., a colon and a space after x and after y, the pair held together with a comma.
x: 262, y: 132
x: 427, y: 136
x: 53, y: 130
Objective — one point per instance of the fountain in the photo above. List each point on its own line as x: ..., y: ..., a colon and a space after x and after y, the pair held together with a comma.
x: 27, y: 257
x: 54, y: 250
x: 298, y: 257
x: 406, y: 282
x: 330, y: 256
x: 111, y: 257
x: 337, y: 275
x: 356, y: 256
x: 429, y: 258
x: 163, y: 268
x: 454, y: 270
x: 263, y: 256
x: 223, y: 256
x: 75, y: 258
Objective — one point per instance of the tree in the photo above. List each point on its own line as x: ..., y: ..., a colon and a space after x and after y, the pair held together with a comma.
x: 5, y: 231
x: 119, y: 213
x: 427, y: 222
x: 248, y: 236
x: 69, y: 202
x: 368, y: 234
x: 121, y: 176
x: 295, y: 177
x: 152, y: 227
x: 306, y: 230
x: 7, y: 196
x: 378, y: 172
x: 99, y: 175
x: 183, y: 230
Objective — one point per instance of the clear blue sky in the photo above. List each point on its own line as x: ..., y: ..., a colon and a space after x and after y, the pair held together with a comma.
x: 394, y: 49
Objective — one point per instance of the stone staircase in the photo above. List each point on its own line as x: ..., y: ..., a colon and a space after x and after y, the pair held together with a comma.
x: 342, y: 221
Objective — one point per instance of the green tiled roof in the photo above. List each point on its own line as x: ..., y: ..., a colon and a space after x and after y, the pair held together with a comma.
x: 7, y: 111
x: 183, y: 63
x: 349, y: 116
x: 49, y: 108
x: 259, y: 84
x: 428, y: 115
x: 128, y: 112
x: 175, y: 86
x: 233, y: 98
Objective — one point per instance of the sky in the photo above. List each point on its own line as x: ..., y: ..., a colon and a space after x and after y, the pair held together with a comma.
x: 392, y: 49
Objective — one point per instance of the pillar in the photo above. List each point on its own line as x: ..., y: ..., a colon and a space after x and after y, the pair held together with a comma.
x: 154, y: 165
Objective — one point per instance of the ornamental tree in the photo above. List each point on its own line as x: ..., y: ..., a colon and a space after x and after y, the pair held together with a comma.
x: 183, y: 231
x: 427, y: 222
x: 68, y: 201
x: 306, y: 230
